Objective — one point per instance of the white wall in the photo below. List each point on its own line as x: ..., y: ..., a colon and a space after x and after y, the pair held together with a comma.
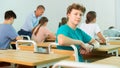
x: 118, y: 14
x: 55, y: 9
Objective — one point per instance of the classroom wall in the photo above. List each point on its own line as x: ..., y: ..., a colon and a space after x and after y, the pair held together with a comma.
x: 56, y: 9
x: 117, y: 14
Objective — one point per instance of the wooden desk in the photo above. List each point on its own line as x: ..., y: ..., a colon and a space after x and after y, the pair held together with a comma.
x: 108, y: 49
x: 111, y: 61
x: 46, y: 44
x: 101, y: 53
x: 29, y: 58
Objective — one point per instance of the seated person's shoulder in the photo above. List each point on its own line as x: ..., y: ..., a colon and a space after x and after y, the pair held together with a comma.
x: 63, y: 27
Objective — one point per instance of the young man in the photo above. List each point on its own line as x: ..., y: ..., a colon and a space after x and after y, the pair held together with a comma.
x: 69, y: 34
x: 31, y: 21
x: 7, y: 32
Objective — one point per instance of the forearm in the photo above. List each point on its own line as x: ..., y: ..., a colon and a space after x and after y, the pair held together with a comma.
x: 101, y: 37
x: 51, y: 36
x: 66, y: 41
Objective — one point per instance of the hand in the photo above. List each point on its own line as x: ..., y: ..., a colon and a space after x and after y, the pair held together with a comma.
x: 85, y: 50
x: 90, y: 47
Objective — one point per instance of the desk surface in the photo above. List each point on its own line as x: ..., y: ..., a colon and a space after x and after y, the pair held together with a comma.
x: 29, y: 58
x: 111, y: 61
x: 46, y: 44
x: 107, y: 47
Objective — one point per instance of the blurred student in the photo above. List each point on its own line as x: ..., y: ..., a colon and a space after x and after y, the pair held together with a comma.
x: 91, y: 28
x: 111, y: 32
x: 7, y: 31
x: 40, y: 32
x: 63, y: 21
x: 69, y: 34
x: 31, y: 21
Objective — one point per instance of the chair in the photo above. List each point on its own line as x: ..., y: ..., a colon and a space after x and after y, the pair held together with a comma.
x: 25, y: 37
x: 70, y: 64
x: 73, y: 54
x: 26, y: 45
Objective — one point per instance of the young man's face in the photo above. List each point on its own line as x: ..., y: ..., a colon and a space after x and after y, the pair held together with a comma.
x: 75, y: 16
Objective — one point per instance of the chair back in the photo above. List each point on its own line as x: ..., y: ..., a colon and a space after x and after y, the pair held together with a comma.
x: 73, y: 54
x: 71, y: 64
x: 28, y: 45
x: 25, y: 37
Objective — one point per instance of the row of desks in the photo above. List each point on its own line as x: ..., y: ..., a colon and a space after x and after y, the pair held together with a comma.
x: 42, y: 60
x: 103, y: 48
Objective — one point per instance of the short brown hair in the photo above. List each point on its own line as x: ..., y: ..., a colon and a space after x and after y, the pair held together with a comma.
x: 91, y: 15
x: 77, y: 7
x: 40, y: 6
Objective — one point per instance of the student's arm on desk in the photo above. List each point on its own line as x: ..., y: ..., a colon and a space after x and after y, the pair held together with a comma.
x: 101, y: 37
x: 66, y: 41
x: 51, y: 36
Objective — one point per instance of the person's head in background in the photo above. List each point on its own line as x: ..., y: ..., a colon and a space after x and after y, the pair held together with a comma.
x: 63, y: 21
x: 42, y: 22
x: 39, y: 10
x: 111, y: 27
x: 9, y: 17
x: 91, y: 17
x: 74, y: 14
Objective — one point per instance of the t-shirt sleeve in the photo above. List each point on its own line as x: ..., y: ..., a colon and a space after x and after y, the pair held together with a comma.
x: 62, y: 31
x: 97, y: 29
x: 12, y: 34
x: 85, y: 37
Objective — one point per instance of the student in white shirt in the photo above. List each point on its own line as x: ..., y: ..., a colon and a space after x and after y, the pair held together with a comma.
x: 91, y: 28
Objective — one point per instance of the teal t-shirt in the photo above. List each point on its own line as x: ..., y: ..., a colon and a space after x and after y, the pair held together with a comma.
x: 77, y: 34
